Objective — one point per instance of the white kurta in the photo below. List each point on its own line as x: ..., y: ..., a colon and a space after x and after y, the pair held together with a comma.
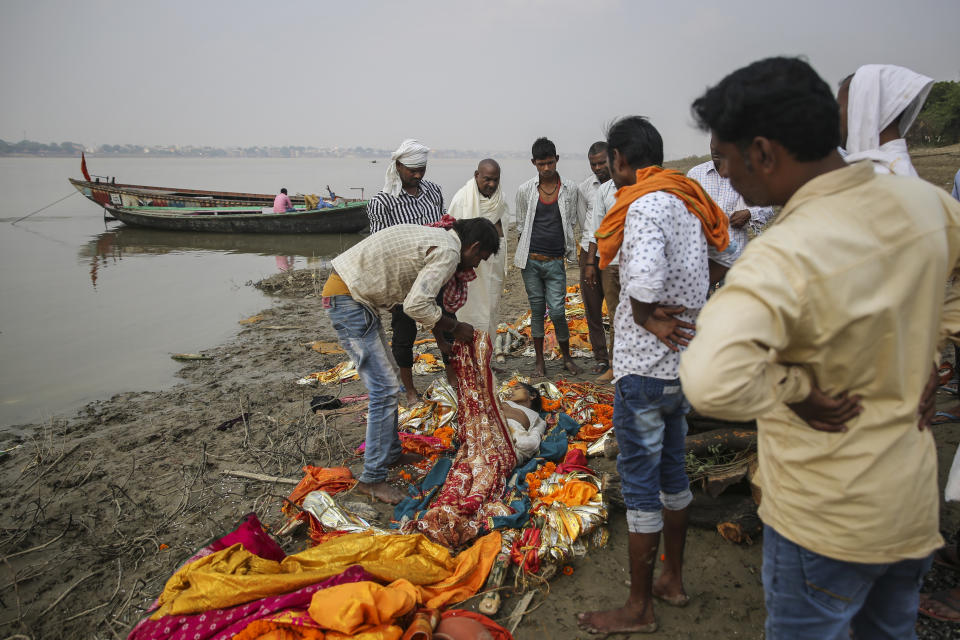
x: 483, y: 294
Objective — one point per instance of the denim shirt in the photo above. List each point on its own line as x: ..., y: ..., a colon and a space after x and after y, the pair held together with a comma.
x: 527, y: 196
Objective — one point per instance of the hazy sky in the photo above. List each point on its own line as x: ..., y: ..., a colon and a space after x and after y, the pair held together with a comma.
x: 479, y: 75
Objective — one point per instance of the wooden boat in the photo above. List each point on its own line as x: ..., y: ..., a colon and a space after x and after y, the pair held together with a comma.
x: 184, y: 209
x: 346, y: 217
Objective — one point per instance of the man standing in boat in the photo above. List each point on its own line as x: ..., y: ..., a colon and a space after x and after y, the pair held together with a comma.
x: 406, y: 198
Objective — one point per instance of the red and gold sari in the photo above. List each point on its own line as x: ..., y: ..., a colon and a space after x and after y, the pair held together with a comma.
x: 476, y: 481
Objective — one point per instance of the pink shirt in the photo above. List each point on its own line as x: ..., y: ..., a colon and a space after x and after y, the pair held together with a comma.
x: 281, y: 204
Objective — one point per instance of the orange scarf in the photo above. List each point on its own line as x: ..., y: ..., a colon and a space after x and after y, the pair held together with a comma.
x: 714, y: 221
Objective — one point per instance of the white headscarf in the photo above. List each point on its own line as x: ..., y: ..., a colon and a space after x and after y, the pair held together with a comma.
x: 411, y: 154
x: 878, y: 94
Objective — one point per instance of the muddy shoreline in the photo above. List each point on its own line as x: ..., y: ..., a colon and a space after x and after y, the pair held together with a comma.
x: 98, y: 509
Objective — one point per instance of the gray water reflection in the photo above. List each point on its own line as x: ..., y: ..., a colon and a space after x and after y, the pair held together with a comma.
x: 109, y: 248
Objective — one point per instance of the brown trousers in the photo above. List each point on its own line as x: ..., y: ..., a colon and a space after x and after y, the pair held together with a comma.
x: 593, y: 306
x: 610, y: 277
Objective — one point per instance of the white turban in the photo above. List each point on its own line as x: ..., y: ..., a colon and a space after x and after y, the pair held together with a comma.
x: 878, y: 94
x: 411, y: 154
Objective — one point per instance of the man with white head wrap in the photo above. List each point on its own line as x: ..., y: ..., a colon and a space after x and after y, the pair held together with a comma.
x: 878, y: 104
x: 481, y: 197
x: 406, y: 198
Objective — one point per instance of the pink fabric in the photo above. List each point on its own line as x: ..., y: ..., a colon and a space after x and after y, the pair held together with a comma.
x: 430, y: 441
x: 282, y: 204
x: 475, y: 484
x: 222, y: 624
x: 251, y: 535
x: 575, y: 460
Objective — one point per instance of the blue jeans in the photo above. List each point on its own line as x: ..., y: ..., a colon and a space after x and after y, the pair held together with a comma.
x: 812, y: 596
x: 362, y: 337
x: 546, y: 285
x: 649, y: 420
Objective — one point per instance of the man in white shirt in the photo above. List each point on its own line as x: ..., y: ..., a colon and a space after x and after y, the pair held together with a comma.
x: 481, y: 197
x: 406, y: 264
x: 591, y: 285
x: 713, y: 179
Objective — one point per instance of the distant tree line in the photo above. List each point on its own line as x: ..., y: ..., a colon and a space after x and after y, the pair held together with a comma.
x: 29, y: 147
x: 938, y: 124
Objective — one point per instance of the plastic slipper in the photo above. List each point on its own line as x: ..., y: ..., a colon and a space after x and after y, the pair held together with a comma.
x: 601, y: 367
x: 944, y: 417
x: 943, y: 598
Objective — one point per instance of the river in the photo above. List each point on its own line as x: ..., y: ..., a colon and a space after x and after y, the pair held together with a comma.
x: 91, y: 308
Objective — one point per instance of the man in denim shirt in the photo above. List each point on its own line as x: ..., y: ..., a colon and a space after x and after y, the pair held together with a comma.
x: 546, y: 212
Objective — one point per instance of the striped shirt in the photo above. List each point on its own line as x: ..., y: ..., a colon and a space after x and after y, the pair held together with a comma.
x: 527, y: 196
x: 385, y: 210
x: 729, y: 200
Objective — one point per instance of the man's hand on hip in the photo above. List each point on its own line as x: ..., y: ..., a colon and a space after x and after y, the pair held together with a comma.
x: 827, y: 413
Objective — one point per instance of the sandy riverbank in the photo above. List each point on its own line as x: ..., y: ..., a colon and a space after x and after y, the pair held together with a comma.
x: 97, y: 510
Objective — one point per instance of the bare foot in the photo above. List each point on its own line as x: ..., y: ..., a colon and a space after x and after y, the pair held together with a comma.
x: 407, y: 457
x: 412, y: 397
x: 670, y: 591
x: 623, y: 620
x: 606, y: 376
x: 571, y: 366
x: 381, y: 491
x: 540, y: 368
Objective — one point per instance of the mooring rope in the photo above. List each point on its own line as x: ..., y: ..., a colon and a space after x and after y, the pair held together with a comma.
x: 46, y: 207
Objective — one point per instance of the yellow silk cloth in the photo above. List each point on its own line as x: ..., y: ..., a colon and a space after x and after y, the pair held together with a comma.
x: 573, y: 494
x: 235, y: 576
x: 362, y: 606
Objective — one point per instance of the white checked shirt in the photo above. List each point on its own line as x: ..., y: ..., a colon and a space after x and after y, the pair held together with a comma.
x: 603, y: 200
x: 730, y: 201
x: 663, y: 259
x: 396, y: 266
x: 527, y: 196
x: 587, y: 191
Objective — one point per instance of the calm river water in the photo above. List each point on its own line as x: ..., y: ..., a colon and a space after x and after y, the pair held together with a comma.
x: 89, y: 309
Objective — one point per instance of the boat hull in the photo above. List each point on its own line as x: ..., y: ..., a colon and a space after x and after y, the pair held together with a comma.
x: 347, y: 218
x: 134, y: 195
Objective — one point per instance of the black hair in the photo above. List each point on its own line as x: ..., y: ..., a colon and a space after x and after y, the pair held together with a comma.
x: 782, y: 99
x: 536, y: 400
x: 637, y: 140
x: 600, y: 146
x: 543, y: 148
x: 478, y: 230
x: 283, y: 190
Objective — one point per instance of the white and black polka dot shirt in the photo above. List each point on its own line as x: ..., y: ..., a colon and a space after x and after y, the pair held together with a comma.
x: 663, y: 259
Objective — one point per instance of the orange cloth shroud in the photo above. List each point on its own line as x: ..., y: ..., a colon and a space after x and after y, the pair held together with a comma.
x: 235, y: 576
x: 330, y: 479
x: 573, y: 494
x: 715, y: 223
x: 359, y: 606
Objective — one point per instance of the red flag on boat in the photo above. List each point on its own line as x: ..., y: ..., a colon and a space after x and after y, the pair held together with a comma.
x: 83, y: 167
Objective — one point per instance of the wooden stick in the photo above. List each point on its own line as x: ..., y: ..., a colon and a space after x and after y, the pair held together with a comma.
x: 68, y: 590
x: 259, y: 476
x: 36, y: 548
x: 517, y: 614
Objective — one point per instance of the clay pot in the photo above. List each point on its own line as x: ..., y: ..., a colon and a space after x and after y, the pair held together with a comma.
x: 461, y: 629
